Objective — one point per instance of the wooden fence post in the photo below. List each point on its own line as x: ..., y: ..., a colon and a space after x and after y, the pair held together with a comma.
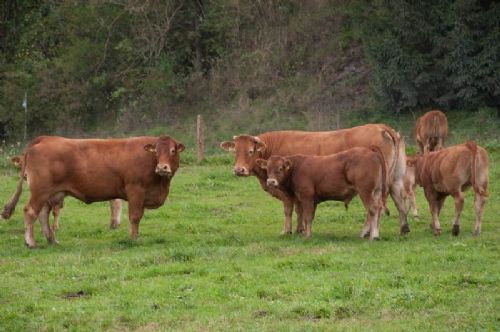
x: 200, y: 140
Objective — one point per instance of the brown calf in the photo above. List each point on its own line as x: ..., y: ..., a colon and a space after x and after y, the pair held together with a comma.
x: 449, y: 172
x: 431, y: 130
x: 341, y: 176
x: 55, y: 204
x: 137, y: 169
x: 248, y: 149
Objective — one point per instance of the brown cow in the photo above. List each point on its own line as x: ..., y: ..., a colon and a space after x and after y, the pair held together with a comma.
x: 138, y: 170
x: 340, y: 177
x: 248, y: 149
x: 431, y: 131
x: 449, y: 172
x: 410, y: 187
x: 55, y: 205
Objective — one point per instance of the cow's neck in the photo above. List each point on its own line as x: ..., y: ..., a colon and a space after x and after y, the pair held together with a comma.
x: 260, y: 173
x: 159, y: 190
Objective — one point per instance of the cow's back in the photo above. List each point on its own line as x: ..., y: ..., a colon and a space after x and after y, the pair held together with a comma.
x: 335, y: 176
x: 449, y: 169
x: 432, y: 124
x: 285, y: 143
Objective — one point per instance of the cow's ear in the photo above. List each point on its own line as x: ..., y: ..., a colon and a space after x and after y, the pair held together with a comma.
x: 287, y: 164
x: 262, y: 163
x: 150, y: 148
x: 259, y: 145
x: 180, y: 147
x: 16, y: 161
x: 228, y: 146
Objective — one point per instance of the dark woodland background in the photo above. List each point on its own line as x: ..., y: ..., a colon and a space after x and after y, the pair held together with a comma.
x: 131, y: 67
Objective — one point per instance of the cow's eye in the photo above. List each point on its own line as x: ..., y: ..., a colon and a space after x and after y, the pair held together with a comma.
x: 250, y: 152
x: 172, y: 151
x: 280, y: 169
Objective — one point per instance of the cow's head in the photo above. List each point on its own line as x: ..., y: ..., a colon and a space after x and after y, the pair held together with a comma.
x: 278, y: 170
x: 166, y: 151
x: 247, y: 150
x: 17, y: 161
x: 414, y: 165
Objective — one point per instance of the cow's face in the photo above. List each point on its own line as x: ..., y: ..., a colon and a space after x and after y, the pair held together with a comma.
x: 410, y: 167
x: 167, y: 152
x: 247, y: 150
x: 17, y: 161
x: 278, y: 170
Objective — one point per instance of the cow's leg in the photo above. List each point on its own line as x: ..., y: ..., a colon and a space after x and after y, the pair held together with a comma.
x: 374, y: 206
x: 420, y: 146
x: 427, y: 146
x: 43, y: 217
x: 436, y: 202
x: 397, y: 195
x: 56, y: 211
x: 56, y: 203
x: 365, y: 231
x: 307, y: 215
x: 479, y: 201
x: 439, y: 143
x: 300, y: 221
x: 31, y: 211
x: 288, y: 209
x: 115, y: 205
x: 135, y: 198
x: 410, y: 202
x: 459, y: 205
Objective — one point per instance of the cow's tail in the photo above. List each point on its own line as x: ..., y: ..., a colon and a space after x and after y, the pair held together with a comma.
x: 472, y: 146
x: 393, y: 136
x: 9, y: 208
x: 385, y: 184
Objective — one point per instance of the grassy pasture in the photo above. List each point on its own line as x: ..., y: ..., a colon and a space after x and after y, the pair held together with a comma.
x: 212, y: 259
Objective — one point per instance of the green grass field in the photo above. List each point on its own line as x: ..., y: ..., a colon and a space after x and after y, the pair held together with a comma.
x: 212, y: 258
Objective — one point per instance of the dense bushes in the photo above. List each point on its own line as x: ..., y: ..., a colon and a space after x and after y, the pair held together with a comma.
x: 442, y: 54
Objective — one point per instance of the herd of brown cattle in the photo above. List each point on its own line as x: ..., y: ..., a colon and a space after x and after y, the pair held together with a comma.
x: 299, y: 168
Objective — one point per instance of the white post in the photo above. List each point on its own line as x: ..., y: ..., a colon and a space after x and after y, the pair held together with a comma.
x: 25, y: 105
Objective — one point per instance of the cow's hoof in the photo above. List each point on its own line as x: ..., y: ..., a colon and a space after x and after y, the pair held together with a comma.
x: 437, y: 231
x: 455, y: 230
x: 114, y: 226
x: 375, y: 238
x: 30, y: 245
x: 476, y: 233
x: 405, y: 229
x: 364, y: 235
x: 286, y: 232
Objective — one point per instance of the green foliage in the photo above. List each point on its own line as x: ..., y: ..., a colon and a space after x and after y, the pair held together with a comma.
x: 118, y: 67
x: 433, y: 53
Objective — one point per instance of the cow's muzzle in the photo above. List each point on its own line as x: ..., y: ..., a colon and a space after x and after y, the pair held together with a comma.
x: 272, y: 183
x: 163, y: 170
x: 241, y: 171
